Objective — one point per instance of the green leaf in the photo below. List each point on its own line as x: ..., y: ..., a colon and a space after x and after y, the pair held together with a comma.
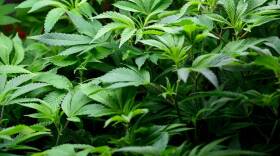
x: 269, y: 62
x: 44, y: 3
x: 58, y: 81
x: 19, y: 51
x: 62, y: 61
x: 74, y: 50
x: 86, y: 9
x: 108, y: 28
x: 6, y: 47
x: 162, y: 142
x: 6, y: 20
x: 95, y: 110
x: 7, y: 9
x: 27, y: 88
x: 209, y: 75
x: 11, y: 69
x: 155, y: 43
x: 183, y: 74
x: 27, y: 4
x: 212, y: 149
x: 117, y: 17
x: 122, y: 77
x: 52, y: 17
x: 128, y: 6
x: 140, y: 61
x: 17, y: 81
x: 273, y: 42
x: 83, y: 26
x: 230, y: 8
x: 238, y: 48
x: 146, y: 150
x: 218, y: 18
x: 61, y: 39
x: 212, y: 60
x: 73, y: 104
x: 126, y: 35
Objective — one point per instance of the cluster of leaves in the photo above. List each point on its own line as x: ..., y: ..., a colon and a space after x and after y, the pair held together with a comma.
x: 140, y: 77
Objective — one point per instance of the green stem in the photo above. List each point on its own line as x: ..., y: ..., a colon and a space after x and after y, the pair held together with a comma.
x: 195, y: 131
x: 58, y: 135
x: 273, y: 131
x: 2, y: 113
x: 81, y: 75
x: 60, y: 129
x: 176, y: 101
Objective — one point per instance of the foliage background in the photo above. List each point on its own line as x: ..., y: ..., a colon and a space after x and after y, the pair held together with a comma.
x: 139, y: 77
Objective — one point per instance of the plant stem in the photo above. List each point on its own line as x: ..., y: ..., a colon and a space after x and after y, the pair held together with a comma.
x: 273, y: 131
x: 176, y: 101
x: 2, y: 113
x: 60, y: 129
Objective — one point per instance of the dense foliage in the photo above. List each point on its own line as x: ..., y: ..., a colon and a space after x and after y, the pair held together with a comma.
x: 139, y: 77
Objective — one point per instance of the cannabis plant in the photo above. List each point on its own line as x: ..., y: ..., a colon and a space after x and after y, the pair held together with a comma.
x: 139, y: 77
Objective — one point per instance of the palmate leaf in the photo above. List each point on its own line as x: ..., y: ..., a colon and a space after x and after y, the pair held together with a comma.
x: 74, y: 104
x: 52, y: 17
x: 43, y: 111
x: 230, y: 8
x: 61, y: 39
x: 123, y: 77
x: 46, y: 109
x: 120, y: 22
x: 218, y: 18
x: 117, y: 103
x: 173, y: 47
